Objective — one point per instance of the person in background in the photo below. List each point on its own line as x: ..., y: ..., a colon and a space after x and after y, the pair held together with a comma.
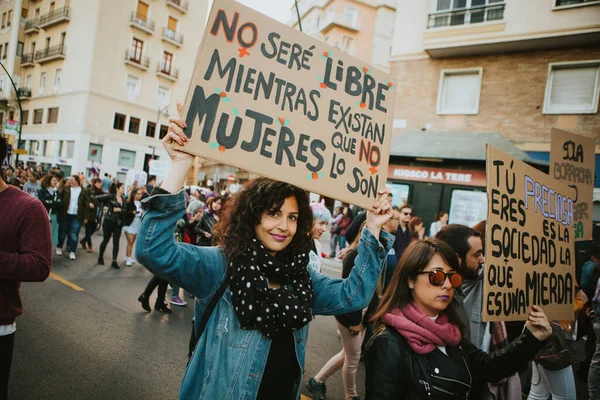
x: 594, y: 371
x: 133, y: 219
x: 151, y: 183
x: 209, y: 219
x: 404, y: 234
x: 32, y: 186
x: 195, y: 204
x: 441, y: 220
x: 75, y: 212
x: 106, y: 182
x: 52, y: 201
x: 590, y: 273
x: 94, y: 192
x: 211, y: 193
x: 113, y: 222
x: 344, y: 224
x: 321, y: 218
x: 25, y: 256
x: 416, y: 226
x: 334, y: 231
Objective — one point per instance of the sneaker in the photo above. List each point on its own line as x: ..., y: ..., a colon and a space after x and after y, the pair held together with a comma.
x: 72, y: 256
x: 318, y: 390
x: 178, y: 301
x: 115, y: 265
x: 58, y: 251
x: 128, y: 262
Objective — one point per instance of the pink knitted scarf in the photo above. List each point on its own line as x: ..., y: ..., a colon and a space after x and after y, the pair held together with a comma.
x: 421, y: 332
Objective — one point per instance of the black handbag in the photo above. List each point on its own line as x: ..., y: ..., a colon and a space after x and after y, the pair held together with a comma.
x: 559, y: 350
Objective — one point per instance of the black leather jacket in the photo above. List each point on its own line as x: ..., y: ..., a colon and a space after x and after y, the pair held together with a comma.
x: 394, y: 371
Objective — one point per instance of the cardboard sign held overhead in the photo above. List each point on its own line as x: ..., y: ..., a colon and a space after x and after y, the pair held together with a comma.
x: 529, y: 248
x: 572, y: 159
x: 271, y: 100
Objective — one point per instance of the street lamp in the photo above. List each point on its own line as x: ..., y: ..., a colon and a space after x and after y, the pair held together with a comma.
x: 20, y: 110
x: 156, y: 134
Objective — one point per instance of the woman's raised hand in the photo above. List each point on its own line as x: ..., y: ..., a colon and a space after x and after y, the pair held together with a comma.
x: 381, y: 214
x: 538, y: 323
x: 176, y: 135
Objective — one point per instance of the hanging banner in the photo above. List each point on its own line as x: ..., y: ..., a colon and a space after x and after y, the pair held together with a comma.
x: 271, y: 100
x: 530, y: 253
x: 572, y: 160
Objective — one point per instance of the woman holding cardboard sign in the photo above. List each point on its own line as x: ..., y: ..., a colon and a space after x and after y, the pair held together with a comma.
x: 417, y: 351
x: 264, y: 287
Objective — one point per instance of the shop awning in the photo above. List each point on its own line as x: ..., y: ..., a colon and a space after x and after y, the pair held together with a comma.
x: 454, y: 145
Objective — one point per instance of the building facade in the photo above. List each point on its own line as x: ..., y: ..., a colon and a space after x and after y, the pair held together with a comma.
x: 471, y: 72
x: 98, y: 78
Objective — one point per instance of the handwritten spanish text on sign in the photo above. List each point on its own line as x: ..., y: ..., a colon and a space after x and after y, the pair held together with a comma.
x: 530, y: 256
x: 572, y: 161
x: 271, y: 100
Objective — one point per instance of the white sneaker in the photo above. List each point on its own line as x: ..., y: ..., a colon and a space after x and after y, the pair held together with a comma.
x: 72, y: 256
x: 129, y: 262
x: 58, y: 251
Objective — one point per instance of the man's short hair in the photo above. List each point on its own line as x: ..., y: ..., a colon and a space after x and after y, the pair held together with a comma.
x: 405, y: 205
x: 457, y: 236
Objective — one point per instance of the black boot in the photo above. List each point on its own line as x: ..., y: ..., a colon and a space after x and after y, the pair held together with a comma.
x: 161, y: 306
x: 145, y: 302
x: 115, y: 265
x: 100, y: 261
x: 83, y: 243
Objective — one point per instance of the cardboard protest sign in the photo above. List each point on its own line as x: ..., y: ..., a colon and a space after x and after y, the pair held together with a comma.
x: 529, y: 249
x: 572, y: 161
x: 271, y: 100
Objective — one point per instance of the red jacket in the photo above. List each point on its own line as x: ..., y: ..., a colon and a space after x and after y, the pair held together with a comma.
x: 25, y: 248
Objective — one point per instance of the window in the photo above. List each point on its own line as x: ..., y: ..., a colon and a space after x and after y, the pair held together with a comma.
x: 34, y: 147
x: 63, y: 36
x: 119, y: 122
x: 24, y: 13
x: 134, y: 125
x: 47, y: 43
x: 66, y: 149
x: 32, y: 48
x: 28, y: 81
x: 347, y: 44
x: 400, y: 193
x: 51, y: 8
x: 137, y: 47
x: 126, y: 158
x: 95, y: 152
x: 1, y: 46
x: 3, y: 20
x: 561, y: 3
x: 42, y: 81
x: 150, y: 129
x: 164, y: 129
x: 5, y: 50
x: 572, y: 88
x: 25, y: 117
x: 10, y: 15
x: 459, y: 12
x: 57, y: 76
x: 163, y: 96
x: 172, y: 24
x: 53, y: 115
x: 20, y: 46
x: 351, y: 15
x: 38, y: 116
x: 167, y: 61
x: 132, y: 85
x: 142, y: 10
x: 459, y: 91
x: 2, y: 79
x: 49, y: 148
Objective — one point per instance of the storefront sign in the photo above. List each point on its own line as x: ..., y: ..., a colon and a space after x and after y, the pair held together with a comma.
x: 273, y: 101
x: 437, y: 175
x: 530, y: 252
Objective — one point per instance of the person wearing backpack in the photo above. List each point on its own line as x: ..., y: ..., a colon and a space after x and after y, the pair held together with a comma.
x: 254, y: 342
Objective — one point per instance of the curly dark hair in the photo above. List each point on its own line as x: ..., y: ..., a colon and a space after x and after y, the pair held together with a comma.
x: 240, y: 215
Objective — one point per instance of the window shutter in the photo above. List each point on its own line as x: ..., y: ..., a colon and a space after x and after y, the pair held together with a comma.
x: 460, y: 93
x: 142, y: 10
x: 573, y: 89
x: 172, y: 24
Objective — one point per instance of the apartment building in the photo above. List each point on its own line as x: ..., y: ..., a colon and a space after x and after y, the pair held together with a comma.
x: 98, y: 78
x: 471, y: 72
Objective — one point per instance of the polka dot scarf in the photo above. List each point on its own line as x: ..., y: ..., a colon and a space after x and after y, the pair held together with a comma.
x: 270, y: 310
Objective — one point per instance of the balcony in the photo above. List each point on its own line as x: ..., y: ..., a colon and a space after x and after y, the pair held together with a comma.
x: 172, y: 37
x: 181, y: 5
x: 473, y: 15
x: 338, y: 21
x: 137, y: 60
x: 55, y: 17
x: 27, y: 60
x: 24, y: 92
x: 32, y: 26
x: 168, y: 73
x: 50, y: 54
x: 141, y: 22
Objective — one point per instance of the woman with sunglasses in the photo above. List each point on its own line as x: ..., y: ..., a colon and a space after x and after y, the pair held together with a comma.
x: 418, y: 351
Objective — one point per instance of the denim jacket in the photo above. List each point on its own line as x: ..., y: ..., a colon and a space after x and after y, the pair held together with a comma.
x: 228, y: 362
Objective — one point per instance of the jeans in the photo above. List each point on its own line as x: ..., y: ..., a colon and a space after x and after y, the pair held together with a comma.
x: 544, y: 382
x: 70, y: 227
x: 342, y: 242
x: 54, y: 228
x: 594, y: 374
x: 110, y: 228
x: 334, y: 244
x: 90, y: 228
x: 7, y: 345
x: 175, y: 290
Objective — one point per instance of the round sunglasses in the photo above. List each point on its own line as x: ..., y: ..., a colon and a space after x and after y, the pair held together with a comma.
x: 437, y: 278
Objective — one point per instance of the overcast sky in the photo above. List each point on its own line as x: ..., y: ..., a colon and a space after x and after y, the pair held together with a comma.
x: 276, y: 9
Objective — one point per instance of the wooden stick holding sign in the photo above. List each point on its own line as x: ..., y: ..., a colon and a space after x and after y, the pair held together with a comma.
x: 271, y: 100
x: 530, y: 253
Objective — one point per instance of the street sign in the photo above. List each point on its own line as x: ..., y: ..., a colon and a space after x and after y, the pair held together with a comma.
x: 20, y: 151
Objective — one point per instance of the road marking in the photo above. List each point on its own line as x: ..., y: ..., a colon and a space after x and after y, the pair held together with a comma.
x: 66, y: 282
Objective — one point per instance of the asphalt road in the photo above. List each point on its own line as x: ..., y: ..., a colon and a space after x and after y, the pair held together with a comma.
x: 98, y: 343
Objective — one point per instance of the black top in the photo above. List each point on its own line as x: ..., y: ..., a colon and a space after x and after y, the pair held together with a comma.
x: 352, y: 318
x: 281, y: 376
x: 354, y: 228
x: 403, y: 239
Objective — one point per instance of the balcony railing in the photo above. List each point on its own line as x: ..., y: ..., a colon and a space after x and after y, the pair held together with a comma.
x: 32, y: 26
x: 465, y: 16
x: 181, y: 5
x: 27, y: 60
x: 172, y: 37
x: 24, y: 92
x: 168, y: 73
x: 141, y: 22
x: 55, y: 17
x: 50, y: 53
x: 136, y: 60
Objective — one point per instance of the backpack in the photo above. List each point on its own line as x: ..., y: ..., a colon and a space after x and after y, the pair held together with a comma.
x: 197, y: 333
